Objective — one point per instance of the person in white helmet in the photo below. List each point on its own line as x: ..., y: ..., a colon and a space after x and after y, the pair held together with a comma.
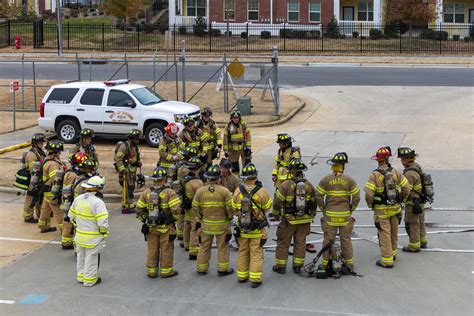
x: 89, y: 215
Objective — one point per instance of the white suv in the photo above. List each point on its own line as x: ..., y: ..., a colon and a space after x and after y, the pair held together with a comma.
x: 109, y: 108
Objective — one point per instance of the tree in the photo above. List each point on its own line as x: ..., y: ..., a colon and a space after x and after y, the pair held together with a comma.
x: 413, y: 13
x: 124, y: 8
x: 12, y: 10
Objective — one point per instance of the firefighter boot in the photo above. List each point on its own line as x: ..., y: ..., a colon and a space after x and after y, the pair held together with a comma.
x: 256, y: 284
x: 175, y: 273
x: 31, y: 220
x: 49, y: 229
x: 278, y: 269
x: 379, y: 263
x: 224, y: 273
x: 408, y: 249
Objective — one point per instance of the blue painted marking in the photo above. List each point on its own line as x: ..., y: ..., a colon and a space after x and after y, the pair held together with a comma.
x: 33, y: 299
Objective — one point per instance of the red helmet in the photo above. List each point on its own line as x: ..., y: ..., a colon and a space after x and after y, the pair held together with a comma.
x: 382, y: 153
x: 171, y: 129
x: 78, y: 158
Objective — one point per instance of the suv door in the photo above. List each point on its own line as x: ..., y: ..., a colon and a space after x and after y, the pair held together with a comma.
x: 91, y: 109
x: 121, y: 113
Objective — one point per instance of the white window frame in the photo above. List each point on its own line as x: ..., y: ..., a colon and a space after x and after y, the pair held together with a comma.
x: 454, y: 12
x: 224, y: 11
x: 196, y: 8
x: 309, y: 11
x: 366, y: 10
x: 288, y: 10
x: 253, y: 10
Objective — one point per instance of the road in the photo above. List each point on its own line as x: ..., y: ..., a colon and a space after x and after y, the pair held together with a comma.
x: 290, y: 76
x: 352, y: 119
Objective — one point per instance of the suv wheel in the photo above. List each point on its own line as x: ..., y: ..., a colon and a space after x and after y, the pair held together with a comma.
x: 68, y: 131
x: 153, y: 133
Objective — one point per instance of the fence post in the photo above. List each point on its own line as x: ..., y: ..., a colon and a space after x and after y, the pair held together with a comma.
x: 23, y: 81
x: 68, y: 36
x: 176, y: 76
x: 322, y: 37
x: 210, y: 36
x: 224, y: 78
x: 440, y: 37
x: 103, y: 37
x: 34, y: 85
x: 126, y: 65
x: 284, y: 36
x: 174, y: 37
x: 400, y: 31
x: 248, y: 35
x: 8, y: 32
x: 360, y: 35
x: 183, y: 69
x: 138, y: 37
x: 276, y: 87
x: 78, y: 68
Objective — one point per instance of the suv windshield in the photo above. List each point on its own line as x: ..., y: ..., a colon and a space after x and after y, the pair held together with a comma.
x: 147, y: 96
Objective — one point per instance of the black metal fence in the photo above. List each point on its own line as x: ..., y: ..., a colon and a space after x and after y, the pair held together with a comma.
x: 4, y: 34
x: 351, y: 38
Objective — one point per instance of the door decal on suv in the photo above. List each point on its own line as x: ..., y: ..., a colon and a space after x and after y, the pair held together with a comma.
x: 121, y: 117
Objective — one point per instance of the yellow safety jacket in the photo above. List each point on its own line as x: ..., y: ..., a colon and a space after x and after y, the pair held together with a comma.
x: 237, y: 137
x: 168, y: 149
x: 285, y: 196
x: 211, y: 136
x: 282, y: 161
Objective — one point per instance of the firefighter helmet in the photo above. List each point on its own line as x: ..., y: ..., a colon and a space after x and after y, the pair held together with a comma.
x: 382, y: 153
x: 405, y: 152
x: 87, y: 132
x: 338, y: 159
x: 213, y: 172
x: 284, y: 138
x: 194, y: 163
x: 94, y: 182
x: 134, y: 134
x: 187, y: 121
x: 188, y: 152
x: 206, y: 111
x: 159, y: 174
x: 172, y: 129
x: 140, y: 181
x: 87, y: 165
x: 235, y: 113
x: 54, y: 146
x: 225, y: 163
x: 78, y: 158
x: 38, y: 138
x: 297, y: 164
x: 249, y: 172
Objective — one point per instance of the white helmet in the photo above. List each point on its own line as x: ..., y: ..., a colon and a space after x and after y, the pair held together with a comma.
x: 94, y: 182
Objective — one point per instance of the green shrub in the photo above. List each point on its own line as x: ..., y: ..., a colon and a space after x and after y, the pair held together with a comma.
x: 375, y: 34
x: 244, y: 35
x: 265, y: 34
x: 182, y: 30
x: 163, y: 27
x: 467, y: 39
x: 355, y: 34
x: 315, y: 34
x: 199, y: 27
x: 216, y: 32
x: 332, y: 29
x: 456, y: 37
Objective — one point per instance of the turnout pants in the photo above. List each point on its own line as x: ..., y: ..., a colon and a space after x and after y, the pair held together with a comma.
x: 415, y: 227
x: 180, y: 226
x: 88, y: 264
x: 29, y: 210
x: 67, y: 237
x: 387, y: 230
x: 204, y: 255
x: 127, y: 201
x: 47, y: 208
x: 345, y: 232
x: 191, y: 241
x: 234, y: 156
x: 285, y: 233
x: 160, y: 253
x: 250, y: 259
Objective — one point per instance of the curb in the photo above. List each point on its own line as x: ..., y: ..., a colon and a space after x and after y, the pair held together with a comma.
x: 22, y: 145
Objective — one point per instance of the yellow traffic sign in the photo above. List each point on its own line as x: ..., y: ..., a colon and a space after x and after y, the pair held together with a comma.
x: 236, y: 69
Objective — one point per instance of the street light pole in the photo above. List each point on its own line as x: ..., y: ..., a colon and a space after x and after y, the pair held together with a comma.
x: 60, y: 36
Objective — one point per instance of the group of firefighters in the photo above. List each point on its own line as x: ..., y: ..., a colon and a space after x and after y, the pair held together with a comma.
x: 193, y: 200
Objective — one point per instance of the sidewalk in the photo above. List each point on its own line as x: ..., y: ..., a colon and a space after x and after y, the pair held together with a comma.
x: 18, y: 137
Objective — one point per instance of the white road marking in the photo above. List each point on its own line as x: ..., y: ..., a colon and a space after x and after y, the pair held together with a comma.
x: 32, y: 240
x: 6, y: 302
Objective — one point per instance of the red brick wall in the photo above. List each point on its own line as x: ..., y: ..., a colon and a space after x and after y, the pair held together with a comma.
x: 280, y: 10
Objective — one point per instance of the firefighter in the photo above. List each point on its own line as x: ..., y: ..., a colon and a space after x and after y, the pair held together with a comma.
x: 169, y: 147
x: 385, y: 190
x: 191, y: 183
x: 158, y: 208
x: 35, y: 155
x: 285, y: 154
x: 237, y: 141
x: 85, y: 145
x: 250, y: 202
x: 338, y: 195
x: 90, y: 216
x: 211, y: 138
x: 52, y: 177
x: 228, y: 179
x: 127, y: 161
x: 68, y: 197
x: 295, y: 205
x: 190, y: 136
x: 187, y: 153
x: 414, y: 209
x: 213, y: 207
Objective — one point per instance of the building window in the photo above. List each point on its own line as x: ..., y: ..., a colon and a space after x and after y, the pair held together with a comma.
x: 453, y: 13
x: 196, y: 8
x: 252, y: 10
x: 229, y: 10
x: 365, y: 10
x: 315, y: 12
x: 293, y: 11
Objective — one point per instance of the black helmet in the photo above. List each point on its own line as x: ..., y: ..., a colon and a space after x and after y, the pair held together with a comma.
x: 38, y: 138
x: 188, y: 121
x: 284, y: 138
x: 87, y: 132
x: 213, y: 172
x: 249, y: 172
x: 159, y: 173
x: 189, y: 152
x: 54, y: 146
x: 405, y: 152
x: 194, y: 163
x: 140, y: 181
x: 338, y: 159
x: 86, y: 165
x: 226, y: 163
x: 297, y: 164
x: 235, y: 113
x: 206, y: 111
x: 134, y: 134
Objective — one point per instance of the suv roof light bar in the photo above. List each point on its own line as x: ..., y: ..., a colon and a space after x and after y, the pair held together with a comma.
x: 117, y: 82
